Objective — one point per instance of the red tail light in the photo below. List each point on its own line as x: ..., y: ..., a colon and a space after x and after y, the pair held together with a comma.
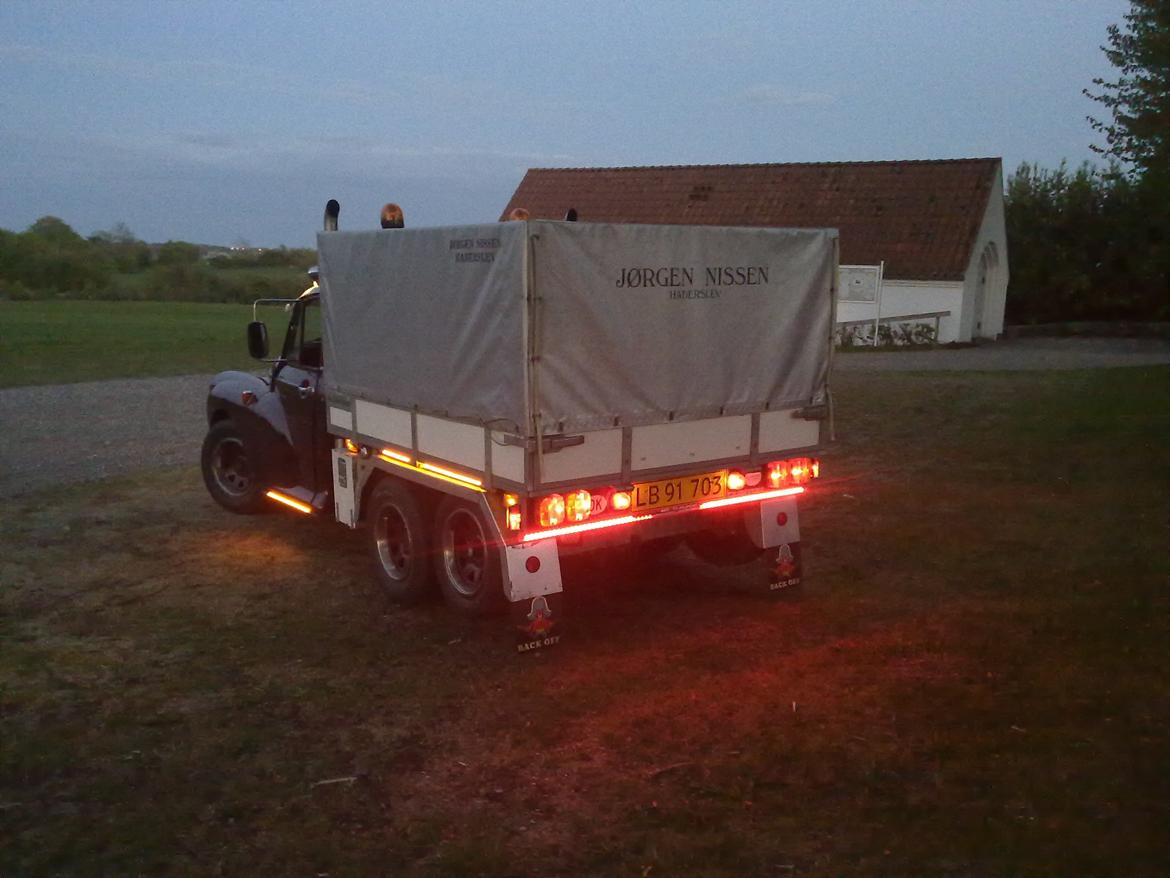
x: 552, y: 510
x: 578, y: 505
x: 797, y: 471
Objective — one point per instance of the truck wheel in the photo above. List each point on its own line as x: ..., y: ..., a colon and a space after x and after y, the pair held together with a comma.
x: 398, y: 541
x: 467, y: 560
x: 228, y: 471
x: 724, y: 548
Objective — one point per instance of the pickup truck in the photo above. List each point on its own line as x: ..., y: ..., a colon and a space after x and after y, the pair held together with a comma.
x: 485, y: 399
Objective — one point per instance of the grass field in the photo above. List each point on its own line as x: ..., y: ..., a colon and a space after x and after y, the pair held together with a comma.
x: 974, y: 683
x: 50, y: 342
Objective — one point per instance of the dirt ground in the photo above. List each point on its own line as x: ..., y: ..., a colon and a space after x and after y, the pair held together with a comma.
x: 974, y: 682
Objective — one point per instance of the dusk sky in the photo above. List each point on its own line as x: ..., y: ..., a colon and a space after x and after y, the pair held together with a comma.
x: 228, y: 122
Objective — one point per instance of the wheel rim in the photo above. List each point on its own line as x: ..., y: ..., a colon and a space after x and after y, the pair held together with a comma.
x: 395, y: 548
x: 230, y: 467
x: 464, y: 552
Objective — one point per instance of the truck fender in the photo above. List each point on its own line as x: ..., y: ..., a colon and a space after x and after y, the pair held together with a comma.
x: 260, y: 420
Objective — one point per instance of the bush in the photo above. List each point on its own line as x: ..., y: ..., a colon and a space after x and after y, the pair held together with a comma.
x: 1086, y: 245
x: 15, y: 291
x: 899, y: 335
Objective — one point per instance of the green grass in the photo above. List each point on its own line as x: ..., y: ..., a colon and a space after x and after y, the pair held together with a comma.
x: 975, y: 681
x: 49, y: 342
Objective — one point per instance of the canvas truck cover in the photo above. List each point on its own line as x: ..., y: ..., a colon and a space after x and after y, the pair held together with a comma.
x: 583, y: 326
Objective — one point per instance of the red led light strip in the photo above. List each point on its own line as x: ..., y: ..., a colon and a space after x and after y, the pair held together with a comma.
x: 630, y: 519
x: 750, y: 498
x: 580, y: 528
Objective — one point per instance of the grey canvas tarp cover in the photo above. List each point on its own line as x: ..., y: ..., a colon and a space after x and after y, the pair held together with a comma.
x: 592, y: 325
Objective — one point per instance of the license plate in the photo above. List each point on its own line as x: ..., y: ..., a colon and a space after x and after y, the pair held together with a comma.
x: 678, y: 491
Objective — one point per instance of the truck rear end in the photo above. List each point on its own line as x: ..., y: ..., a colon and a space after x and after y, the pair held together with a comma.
x: 546, y: 388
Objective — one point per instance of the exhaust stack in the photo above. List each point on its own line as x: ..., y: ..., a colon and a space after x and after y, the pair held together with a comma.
x: 332, y: 210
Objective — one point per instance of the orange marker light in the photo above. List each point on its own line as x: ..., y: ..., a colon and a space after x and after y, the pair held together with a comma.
x: 451, y: 474
x: 351, y: 446
x: 395, y: 455
x: 511, y: 500
x: 291, y: 502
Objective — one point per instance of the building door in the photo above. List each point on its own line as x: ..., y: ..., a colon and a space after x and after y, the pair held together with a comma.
x: 980, y: 303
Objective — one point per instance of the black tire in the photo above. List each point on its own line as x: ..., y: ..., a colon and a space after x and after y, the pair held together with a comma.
x: 725, y: 547
x: 229, y: 470
x: 398, y: 540
x: 467, y: 560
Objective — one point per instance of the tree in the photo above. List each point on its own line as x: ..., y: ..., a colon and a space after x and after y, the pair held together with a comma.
x: 1087, y: 244
x: 118, y: 233
x: 123, y: 246
x: 54, y: 230
x: 1139, y: 99
x: 178, y: 253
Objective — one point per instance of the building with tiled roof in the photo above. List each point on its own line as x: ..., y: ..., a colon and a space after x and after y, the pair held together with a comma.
x: 938, y: 226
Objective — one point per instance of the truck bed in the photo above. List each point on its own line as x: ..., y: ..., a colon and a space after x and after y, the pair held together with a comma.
x: 544, y: 354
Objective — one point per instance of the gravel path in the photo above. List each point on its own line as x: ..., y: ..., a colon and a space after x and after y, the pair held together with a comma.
x: 58, y: 434
x: 62, y: 433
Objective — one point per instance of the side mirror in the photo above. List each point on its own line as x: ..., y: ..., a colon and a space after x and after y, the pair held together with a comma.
x: 258, y: 339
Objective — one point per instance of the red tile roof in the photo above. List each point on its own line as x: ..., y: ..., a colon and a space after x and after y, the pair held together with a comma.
x: 921, y: 217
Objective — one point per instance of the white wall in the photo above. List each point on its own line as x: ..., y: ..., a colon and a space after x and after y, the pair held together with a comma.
x: 992, y: 242
x: 989, y: 253
x: 913, y: 297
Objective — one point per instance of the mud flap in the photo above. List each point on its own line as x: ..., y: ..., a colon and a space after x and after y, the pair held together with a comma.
x: 784, y: 571
x: 533, y: 587
x: 537, y: 621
